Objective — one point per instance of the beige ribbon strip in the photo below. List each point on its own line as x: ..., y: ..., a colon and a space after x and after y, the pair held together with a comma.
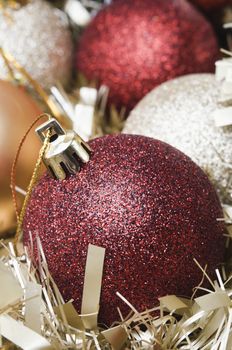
x: 172, y: 302
x: 92, y: 286
x: 33, y: 305
x: 213, y: 301
x: 116, y: 336
x: 222, y: 117
x: 73, y: 319
x: 22, y: 336
x: 10, y: 291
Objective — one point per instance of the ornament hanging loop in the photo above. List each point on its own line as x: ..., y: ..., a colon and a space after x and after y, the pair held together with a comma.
x: 53, y: 125
x: 66, y: 150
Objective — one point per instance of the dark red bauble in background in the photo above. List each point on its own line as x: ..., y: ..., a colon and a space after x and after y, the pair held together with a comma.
x: 211, y: 4
x: 148, y: 204
x: 133, y: 46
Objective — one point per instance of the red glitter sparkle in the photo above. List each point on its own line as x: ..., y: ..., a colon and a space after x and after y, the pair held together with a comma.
x: 133, y: 46
x: 148, y: 204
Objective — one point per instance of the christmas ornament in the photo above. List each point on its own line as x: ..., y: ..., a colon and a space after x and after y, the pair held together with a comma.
x: 133, y: 56
x: 147, y: 203
x: 7, y: 215
x: 210, y: 4
x: 17, y: 111
x: 37, y: 35
x: 180, y: 112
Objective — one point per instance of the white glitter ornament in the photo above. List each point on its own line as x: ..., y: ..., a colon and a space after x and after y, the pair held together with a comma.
x: 38, y: 37
x: 180, y: 112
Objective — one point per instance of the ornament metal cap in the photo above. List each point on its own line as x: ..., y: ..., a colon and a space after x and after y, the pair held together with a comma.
x: 66, y: 150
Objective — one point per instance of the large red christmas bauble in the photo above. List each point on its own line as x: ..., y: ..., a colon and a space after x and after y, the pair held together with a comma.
x: 211, y: 4
x: 133, y: 46
x: 148, y: 204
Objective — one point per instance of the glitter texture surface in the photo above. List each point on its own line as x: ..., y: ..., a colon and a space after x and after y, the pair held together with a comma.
x: 180, y: 112
x: 148, y: 204
x: 37, y: 35
x: 133, y: 46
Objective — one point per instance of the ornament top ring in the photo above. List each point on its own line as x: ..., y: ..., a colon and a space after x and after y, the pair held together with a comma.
x: 66, y: 150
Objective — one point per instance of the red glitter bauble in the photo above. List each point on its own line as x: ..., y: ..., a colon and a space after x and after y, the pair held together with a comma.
x: 211, y: 4
x: 132, y: 46
x: 148, y: 204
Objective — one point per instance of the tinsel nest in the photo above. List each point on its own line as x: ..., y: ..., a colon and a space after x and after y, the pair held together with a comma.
x: 107, y: 119
x: 33, y: 314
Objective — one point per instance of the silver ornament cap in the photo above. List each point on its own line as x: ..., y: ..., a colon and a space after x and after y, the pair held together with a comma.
x: 66, y: 150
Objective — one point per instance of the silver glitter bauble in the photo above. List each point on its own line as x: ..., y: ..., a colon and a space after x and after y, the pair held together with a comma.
x: 179, y: 112
x: 38, y: 37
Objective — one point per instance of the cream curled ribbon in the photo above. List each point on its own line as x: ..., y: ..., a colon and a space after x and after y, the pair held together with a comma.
x: 223, y: 115
x: 223, y: 74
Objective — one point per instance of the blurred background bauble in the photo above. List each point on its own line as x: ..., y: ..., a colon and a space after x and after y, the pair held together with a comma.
x: 180, y: 112
x: 132, y: 46
x: 38, y: 36
x: 17, y: 111
x: 211, y: 4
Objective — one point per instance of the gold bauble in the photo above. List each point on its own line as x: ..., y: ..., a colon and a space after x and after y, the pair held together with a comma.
x: 17, y: 112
